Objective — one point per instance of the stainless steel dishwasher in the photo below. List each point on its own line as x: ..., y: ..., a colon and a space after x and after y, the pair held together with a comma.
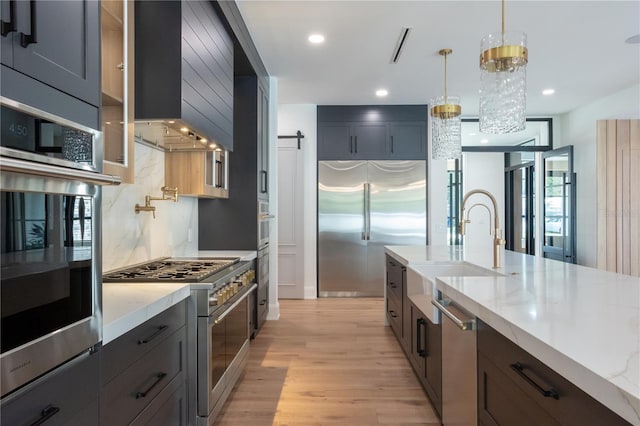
x: 459, y: 364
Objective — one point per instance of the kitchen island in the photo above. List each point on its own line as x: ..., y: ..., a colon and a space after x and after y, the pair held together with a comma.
x: 581, y: 322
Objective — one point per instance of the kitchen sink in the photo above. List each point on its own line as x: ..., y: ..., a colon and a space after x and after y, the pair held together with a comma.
x: 421, y: 280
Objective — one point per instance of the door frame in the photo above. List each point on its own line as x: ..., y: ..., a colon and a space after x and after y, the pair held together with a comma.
x: 567, y: 253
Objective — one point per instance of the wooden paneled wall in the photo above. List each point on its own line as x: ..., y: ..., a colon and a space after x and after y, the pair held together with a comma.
x: 618, y: 195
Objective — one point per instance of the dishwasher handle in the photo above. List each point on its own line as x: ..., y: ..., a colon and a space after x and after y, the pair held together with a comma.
x: 442, y: 304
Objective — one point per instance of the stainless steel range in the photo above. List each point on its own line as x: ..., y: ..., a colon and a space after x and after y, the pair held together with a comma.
x: 217, y: 324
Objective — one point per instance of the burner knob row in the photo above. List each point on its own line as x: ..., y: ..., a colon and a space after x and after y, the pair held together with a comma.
x: 230, y: 289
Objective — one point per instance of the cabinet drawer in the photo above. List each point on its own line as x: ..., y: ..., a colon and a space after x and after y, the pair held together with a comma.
x: 394, y: 288
x: 394, y: 277
x: 131, y: 391
x: 70, y: 394
x: 127, y: 349
x: 572, y: 405
x: 394, y: 314
x: 169, y: 408
x: 501, y: 402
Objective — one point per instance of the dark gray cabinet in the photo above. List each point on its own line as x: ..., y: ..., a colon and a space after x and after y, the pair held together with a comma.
x: 263, y: 142
x: 144, y: 371
x: 407, y: 140
x: 420, y: 339
x: 516, y: 388
x: 67, y: 396
x: 352, y: 141
x: 426, y: 355
x: 50, y: 51
x: 400, y: 318
x: 57, y: 43
x: 184, y: 67
x: 394, y: 285
x: 382, y: 132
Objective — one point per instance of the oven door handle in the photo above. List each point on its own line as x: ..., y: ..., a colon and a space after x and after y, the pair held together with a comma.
x: 230, y: 308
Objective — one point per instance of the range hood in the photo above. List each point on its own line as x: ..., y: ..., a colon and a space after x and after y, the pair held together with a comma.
x: 184, y: 76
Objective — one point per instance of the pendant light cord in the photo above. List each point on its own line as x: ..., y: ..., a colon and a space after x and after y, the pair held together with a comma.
x: 503, y: 22
x: 445, y: 78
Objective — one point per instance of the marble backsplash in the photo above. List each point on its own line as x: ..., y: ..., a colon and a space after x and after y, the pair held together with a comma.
x: 129, y: 238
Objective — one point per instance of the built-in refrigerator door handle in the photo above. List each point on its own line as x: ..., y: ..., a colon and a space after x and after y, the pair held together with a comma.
x: 366, y: 232
x: 365, y: 212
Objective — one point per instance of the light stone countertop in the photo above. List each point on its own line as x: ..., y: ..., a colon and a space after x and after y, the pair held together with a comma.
x: 582, y: 322
x: 127, y: 305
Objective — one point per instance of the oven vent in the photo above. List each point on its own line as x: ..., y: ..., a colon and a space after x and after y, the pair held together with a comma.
x: 402, y: 40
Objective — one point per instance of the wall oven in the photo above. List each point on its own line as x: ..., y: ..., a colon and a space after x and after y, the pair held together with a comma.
x: 35, y: 135
x: 264, y: 216
x: 50, y: 259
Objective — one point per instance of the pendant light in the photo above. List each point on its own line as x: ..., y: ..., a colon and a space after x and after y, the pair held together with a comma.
x: 503, y: 81
x: 445, y: 122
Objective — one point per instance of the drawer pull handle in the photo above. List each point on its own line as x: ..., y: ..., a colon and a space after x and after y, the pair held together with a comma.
x: 422, y: 352
x: 27, y: 39
x: 154, y: 335
x: 10, y: 25
x: 46, y: 413
x: 393, y: 314
x: 159, y: 378
x: 519, y: 369
x: 392, y: 284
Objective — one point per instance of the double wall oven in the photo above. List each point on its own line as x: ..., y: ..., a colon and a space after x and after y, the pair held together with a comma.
x: 217, y: 324
x: 262, y: 295
x: 50, y: 256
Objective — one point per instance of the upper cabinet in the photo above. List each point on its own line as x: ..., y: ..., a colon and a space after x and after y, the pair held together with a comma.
x: 263, y: 142
x: 51, y: 57
x: 407, y: 140
x: 202, y: 174
x: 395, y: 132
x: 184, y: 73
x: 352, y: 141
x: 117, y: 31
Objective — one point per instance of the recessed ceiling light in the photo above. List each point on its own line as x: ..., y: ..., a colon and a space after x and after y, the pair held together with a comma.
x: 472, y: 134
x: 484, y: 141
x: 548, y: 92
x: 316, y: 38
x: 381, y: 93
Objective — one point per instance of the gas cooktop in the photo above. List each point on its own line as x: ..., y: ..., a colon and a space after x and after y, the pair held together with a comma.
x: 171, y: 269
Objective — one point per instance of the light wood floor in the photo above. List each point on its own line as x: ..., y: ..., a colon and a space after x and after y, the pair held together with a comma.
x: 327, y: 362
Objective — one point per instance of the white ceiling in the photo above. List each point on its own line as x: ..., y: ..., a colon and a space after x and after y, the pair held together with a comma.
x: 576, y: 47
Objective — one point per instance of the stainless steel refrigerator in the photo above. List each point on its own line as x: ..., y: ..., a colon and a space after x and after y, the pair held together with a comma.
x: 363, y: 206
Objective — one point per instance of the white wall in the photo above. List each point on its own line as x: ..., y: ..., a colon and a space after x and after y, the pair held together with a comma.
x: 578, y: 128
x: 129, y: 238
x: 274, y: 305
x: 483, y: 170
x: 292, y: 118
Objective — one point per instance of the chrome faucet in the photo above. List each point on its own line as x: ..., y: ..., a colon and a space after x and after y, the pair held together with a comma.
x: 497, y: 233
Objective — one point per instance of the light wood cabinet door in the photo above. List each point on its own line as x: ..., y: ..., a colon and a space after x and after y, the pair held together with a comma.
x: 618, y: 198
x: 116, y: 28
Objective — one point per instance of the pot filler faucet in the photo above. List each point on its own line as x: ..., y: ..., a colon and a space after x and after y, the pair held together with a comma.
x: 497, y: 233
x: 170, y: 194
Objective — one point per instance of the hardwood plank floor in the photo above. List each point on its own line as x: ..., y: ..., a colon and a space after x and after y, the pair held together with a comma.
x: 327, y: 362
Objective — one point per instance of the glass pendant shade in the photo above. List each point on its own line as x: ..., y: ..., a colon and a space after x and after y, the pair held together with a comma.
x: 446, y: 137
x: 503, y: 82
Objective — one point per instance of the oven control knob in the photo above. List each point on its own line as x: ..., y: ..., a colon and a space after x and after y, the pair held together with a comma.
x: 213, y: 300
